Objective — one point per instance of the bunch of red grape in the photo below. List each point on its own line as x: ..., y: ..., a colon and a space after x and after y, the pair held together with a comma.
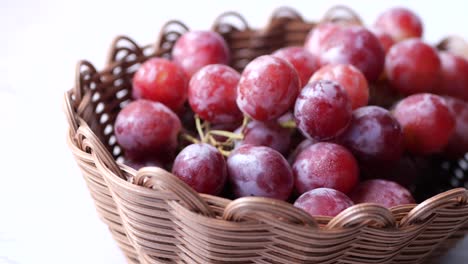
x: 296, y: 123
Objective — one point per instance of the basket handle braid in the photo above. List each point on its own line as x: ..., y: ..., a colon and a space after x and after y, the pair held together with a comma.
x: 341, y: 13
x: 257, y: 207
x: 170, y: 28
x: 69, y: 112
x: 84, y: 72
x: 73, y: 98
x: 366, y: 214
x: 121, y: 47
x: 278, y: 17
x: 159, y: 179
x: 424, y: 210
x: 221, y: 21
x: 88, y: 141
x: 286, y: 12
x: 107, y: 176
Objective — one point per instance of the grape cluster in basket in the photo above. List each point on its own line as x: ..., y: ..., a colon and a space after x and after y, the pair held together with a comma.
x: 312, y: 125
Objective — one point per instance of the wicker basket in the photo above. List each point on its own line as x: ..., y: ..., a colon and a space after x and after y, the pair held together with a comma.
x: 156, y: 218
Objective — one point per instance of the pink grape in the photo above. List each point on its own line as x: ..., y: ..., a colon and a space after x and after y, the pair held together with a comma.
x: 385, y: 39
x: 454, y: 76
x: 383, y: 192
x: 202, y: 167
x: 426, y: 122
x: 350, y: 78
x: 162, y: 81
x: 268, y: 88
x: 303, y: 145
x: 323, y: 202
x: 212, y: 94
x: 400, y: 23
x: 353, y: 45
x: 146, y: 128
x: 259, y: 171
x: 412, y: 67
x: 322, y: 110
x: 196, y: 49
x: 318, y: 36
x: 325, y: 165
x: 303, y: 62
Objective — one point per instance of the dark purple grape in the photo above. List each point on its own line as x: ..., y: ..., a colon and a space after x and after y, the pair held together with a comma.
x: 373, y: 135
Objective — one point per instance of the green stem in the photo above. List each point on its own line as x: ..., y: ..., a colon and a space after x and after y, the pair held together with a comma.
x: 190, y: 138
x: 289, y: 124
x: 199, y: 127
x: 227, y: 134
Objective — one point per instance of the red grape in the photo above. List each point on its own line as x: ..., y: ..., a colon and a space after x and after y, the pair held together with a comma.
x: 323, y: 202
x: 322, y: 110
x: 400, y: 24
x: 325, y: 165
x: 458, y: 143
x: 202, y: 167
x: 303, y: 145
x: 303, y: 62
x: 426, y: 121
x: 354, y: 45
x: 259, y: 171
x: 385, y: 40
x: 144, y: 128
x: 268, y: 134
x: 196, y: 49
x: 454, y: 76
x: 162, y: 81
x: 373, y: 135
x: 212, y: 94
x: 350, y: 78
x: 145, y: 162
x: 268, y: 88
x: 386, y: 193
x: 318, y: 36
x: 413, y: 67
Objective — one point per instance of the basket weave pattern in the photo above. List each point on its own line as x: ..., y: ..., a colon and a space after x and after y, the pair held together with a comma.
x: 155, y: 218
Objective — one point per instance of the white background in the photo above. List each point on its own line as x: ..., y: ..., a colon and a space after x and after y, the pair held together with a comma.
x: 46, y: 214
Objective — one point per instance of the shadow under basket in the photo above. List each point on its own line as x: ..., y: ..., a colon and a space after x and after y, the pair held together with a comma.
x: 156, y: 218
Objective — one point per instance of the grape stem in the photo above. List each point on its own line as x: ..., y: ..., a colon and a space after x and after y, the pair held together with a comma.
x: 199, y: 127
x: 208, y: 136
x: 289, y: 124
x: 190, y: 138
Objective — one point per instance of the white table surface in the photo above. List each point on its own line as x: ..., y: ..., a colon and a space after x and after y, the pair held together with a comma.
x: 46, y: 214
